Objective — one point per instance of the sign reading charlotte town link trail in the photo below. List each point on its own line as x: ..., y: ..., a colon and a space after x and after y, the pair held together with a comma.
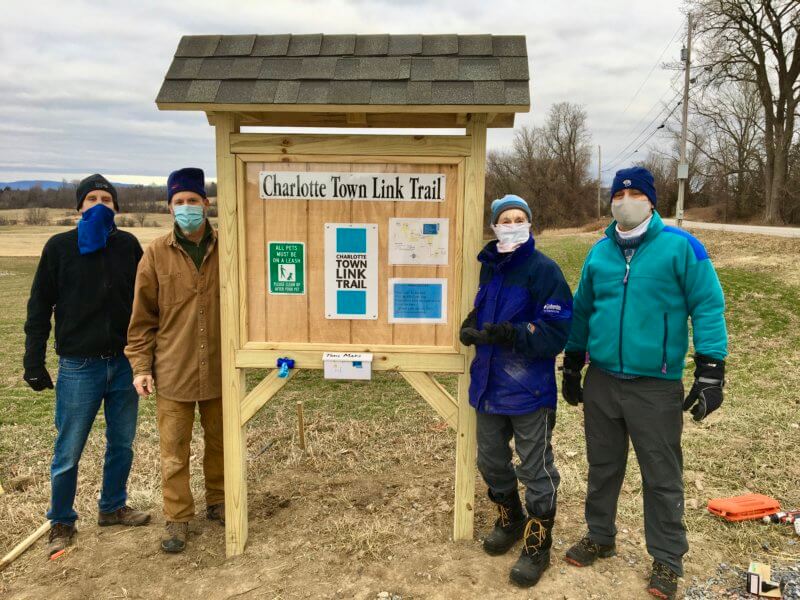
x: 304, y: 185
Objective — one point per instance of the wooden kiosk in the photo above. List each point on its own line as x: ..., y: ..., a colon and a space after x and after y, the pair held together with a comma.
x: 348, y: 243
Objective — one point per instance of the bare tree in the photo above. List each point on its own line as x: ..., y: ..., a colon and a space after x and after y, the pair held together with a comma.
x: 757, y: 41
x: 566, y: 136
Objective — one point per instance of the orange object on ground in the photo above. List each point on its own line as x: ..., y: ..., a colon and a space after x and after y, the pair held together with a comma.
x: 743, y: 508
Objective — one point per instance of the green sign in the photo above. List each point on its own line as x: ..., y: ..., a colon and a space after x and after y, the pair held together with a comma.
x: 287, y: 267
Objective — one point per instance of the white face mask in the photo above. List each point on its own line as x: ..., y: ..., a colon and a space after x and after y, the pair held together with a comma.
x: 511, y: 236
x: 629, y: 212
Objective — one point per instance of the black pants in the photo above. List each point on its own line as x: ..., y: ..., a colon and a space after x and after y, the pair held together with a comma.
x: 537, y: 471
x: 649, y: 412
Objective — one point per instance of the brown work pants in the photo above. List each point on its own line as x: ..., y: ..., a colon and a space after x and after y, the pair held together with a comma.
x: 175, y: 421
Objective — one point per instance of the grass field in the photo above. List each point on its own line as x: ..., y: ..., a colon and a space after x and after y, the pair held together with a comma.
x: 368, y: 508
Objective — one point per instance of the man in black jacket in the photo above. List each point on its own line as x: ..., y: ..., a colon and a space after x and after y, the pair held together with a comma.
x: 86, y: 276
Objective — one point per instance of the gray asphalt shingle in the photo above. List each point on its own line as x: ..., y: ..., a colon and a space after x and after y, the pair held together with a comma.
x: 305, y: 45
x: 337, y: 45
x: 271, y: 45
x: 372, y: 45
x: 235, y: 45
x: 348, y: 69
x: 198, y: 45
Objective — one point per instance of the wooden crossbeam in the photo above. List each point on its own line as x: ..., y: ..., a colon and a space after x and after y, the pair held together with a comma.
x: 435, y: 395
x: 262, y: 393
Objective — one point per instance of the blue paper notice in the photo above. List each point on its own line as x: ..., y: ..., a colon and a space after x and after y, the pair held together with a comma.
x: 417, y: 301
x: 430, y: 228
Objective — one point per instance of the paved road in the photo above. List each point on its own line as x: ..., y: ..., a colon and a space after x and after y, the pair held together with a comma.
x: 756, y: 229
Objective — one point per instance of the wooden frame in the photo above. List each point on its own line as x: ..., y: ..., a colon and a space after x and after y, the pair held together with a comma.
x: 466, y: 155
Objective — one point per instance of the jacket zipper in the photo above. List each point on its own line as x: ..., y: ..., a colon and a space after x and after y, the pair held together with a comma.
x: 622, y: 312
x: 664, y: 348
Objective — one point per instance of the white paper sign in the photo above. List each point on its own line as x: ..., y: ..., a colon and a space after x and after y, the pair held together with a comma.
x: 305, y: 185
x: 418, y: 241
x: 417, y: 300
x: 351, y: 271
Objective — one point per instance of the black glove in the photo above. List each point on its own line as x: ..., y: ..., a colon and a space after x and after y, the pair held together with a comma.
x: 706, y: 394
x: 469, y: 332
x: 499, y: 333
x: 571, y: 381
x: 38, y: 378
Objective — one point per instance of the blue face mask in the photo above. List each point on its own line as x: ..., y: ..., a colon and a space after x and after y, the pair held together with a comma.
x: 95, y: 226
x: 189, y: 217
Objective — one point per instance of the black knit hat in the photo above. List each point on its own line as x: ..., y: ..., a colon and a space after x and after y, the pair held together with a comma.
x: 92, y: 183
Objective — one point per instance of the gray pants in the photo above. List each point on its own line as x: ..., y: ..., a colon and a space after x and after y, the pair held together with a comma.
x: 648, y: 411
x: 532, y: 434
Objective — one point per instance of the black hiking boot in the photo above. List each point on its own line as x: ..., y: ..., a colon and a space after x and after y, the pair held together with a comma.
x: 585, y: 552
x: 535, y: 557
x: 508, y: 527
x: 663, y: 582
x: 61, y: 536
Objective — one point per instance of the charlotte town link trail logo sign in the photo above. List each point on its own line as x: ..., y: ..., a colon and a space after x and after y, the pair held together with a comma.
x: 287, y: 268
x: 304, y: 185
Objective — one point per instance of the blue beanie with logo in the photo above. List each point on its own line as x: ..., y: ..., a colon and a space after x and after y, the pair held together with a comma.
x: 189, y: 179
x: 507, y: 202
x: 636, y: 178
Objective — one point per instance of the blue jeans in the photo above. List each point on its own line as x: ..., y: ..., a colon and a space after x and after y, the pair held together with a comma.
x: 83, y: 383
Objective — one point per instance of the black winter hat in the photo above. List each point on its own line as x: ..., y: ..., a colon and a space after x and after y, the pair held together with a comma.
x: 92, y: 183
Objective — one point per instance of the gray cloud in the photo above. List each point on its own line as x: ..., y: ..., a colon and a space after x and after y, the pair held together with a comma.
x: 80, y: 78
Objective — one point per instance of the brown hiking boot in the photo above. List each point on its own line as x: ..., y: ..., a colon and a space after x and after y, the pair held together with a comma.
x: 174, y: 539
x: 216, y: 512
x: 61, y: 536
x: 123, y: 516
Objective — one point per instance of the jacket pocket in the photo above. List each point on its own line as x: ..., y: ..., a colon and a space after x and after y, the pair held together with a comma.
x: 173, y: 288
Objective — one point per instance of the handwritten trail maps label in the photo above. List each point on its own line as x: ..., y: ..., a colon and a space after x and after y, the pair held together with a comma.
x: 287, y: 268
x: 351, y: 271
x: 304, y: 185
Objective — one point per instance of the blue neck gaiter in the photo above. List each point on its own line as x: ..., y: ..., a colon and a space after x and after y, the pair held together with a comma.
x: 94, y: 228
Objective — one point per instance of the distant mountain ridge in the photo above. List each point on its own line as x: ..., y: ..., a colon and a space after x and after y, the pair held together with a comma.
x: 45, y: 184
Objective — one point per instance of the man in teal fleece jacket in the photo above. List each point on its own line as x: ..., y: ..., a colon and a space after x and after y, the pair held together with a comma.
x: 639, y: 286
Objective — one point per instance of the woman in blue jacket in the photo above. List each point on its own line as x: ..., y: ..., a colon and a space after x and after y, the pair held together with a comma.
x: 520, y: 323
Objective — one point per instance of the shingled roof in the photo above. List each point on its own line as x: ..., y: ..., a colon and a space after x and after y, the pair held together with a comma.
x: 211, y: 71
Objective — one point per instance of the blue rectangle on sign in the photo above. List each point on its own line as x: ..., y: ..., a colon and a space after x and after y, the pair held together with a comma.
x: 351, y: 239
x: 430, y: 228
x: 417, y: 301
x: 351, y: 302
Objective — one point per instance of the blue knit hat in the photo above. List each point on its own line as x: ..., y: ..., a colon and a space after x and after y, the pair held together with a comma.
x: 189, y: 179
x: 637, y: 178
x: 506, y: 202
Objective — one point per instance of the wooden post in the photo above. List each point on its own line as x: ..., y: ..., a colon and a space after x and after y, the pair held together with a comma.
x: 233, y: 382
x: 466, y: 445
x: 301, y: 426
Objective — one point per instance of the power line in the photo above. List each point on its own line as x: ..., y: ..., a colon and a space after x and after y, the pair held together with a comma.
x: 616, y: 160
x: 655, y: 131
x: 653, y: 68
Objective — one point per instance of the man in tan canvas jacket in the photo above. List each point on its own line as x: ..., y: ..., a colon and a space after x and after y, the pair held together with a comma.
x: 174, y: 344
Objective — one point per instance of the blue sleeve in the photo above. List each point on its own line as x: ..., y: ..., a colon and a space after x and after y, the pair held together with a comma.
x: 545, y: 336
x: 582, y: 310
x: 706, y: 304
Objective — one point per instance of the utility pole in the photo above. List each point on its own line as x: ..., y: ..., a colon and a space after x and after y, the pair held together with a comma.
x: 683, y: 167
x: 599, y: 181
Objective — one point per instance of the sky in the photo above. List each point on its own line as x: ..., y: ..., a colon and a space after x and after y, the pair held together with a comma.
x: 79, y: 78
